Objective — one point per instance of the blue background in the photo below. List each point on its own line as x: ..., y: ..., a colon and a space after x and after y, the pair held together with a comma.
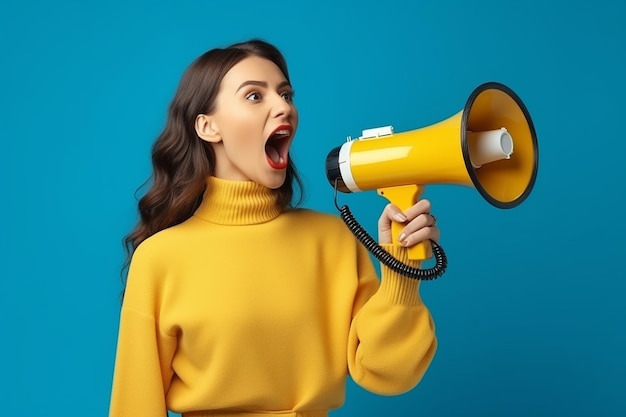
x: 530, y: 315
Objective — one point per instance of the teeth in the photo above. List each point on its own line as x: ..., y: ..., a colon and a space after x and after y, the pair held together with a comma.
x: 281, y: 132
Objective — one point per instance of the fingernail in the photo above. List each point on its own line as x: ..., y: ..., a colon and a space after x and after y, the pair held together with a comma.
x: 400, y: 217
x: 401, y: 238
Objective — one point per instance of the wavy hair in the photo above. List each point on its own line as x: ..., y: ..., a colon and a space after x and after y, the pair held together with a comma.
x: 181, y: 161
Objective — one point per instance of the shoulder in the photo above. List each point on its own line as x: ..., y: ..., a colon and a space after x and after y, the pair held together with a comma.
x: 155, y: 244
x: 319, y: 223
x: 315, y: 218
x: 328, y: 235
x: 161, y: 245
x: 150, y: 265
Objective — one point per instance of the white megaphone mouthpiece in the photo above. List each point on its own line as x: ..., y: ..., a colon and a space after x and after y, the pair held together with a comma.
x: 489, y: 146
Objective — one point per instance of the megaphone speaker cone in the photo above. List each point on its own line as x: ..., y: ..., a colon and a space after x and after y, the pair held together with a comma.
x: 507, y: 182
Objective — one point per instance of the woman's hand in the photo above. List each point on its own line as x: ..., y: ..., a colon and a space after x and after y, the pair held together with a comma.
x: 419, y: 224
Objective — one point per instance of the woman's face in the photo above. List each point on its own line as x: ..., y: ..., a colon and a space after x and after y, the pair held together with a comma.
x: 253, y: 125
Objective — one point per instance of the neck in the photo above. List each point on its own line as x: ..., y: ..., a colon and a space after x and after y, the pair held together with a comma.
x: 237, y: 202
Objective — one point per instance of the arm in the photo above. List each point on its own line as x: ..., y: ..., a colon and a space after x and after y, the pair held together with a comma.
x: 392, y: 336
x: 144, y: 353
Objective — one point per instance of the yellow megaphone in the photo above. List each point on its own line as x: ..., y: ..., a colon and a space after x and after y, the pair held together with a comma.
x: 491, y: 145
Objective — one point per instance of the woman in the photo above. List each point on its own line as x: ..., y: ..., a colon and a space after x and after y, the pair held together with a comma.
x: 237, y: 303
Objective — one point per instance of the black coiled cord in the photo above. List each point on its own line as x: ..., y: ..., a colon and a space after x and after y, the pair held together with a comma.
x: 441, y: 261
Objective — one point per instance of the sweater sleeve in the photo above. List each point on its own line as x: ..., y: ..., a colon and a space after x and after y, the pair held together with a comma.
x: 144, y: 353
x: 392, y: 336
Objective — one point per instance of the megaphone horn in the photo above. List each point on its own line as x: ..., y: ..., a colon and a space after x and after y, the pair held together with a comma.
x: 491, y: 145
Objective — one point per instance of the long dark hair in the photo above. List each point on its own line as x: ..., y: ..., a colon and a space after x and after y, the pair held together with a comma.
x: 181, y: 160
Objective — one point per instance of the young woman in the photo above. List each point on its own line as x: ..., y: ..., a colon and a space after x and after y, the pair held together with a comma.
x: 236, y: 303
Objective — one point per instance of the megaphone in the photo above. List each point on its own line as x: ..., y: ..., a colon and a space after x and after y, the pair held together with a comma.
x: 490, y: 145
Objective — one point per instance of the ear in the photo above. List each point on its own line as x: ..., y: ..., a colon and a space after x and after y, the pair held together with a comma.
x: 206, y: 129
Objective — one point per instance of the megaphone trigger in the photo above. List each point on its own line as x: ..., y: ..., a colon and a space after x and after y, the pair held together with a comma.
x: 404, y: 196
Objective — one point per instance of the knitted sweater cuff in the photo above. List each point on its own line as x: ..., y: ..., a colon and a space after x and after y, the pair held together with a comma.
x: 397, y: 288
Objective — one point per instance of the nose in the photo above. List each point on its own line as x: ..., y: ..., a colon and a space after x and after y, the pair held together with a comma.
x: 281, y: 107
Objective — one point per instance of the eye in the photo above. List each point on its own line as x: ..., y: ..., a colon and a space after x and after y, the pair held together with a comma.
x: 254, y: 96
x: 288, y: 95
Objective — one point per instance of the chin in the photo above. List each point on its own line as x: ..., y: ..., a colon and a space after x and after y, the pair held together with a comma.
x: 275, y: 181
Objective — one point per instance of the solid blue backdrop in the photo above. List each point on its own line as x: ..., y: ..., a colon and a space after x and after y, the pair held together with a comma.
x: 530, y: 315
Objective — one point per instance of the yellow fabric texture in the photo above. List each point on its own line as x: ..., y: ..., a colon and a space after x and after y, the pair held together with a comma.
x: 243, y: 308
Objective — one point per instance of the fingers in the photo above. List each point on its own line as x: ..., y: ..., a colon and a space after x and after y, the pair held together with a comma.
x: 420, y: 224
x: 413, y: 233
x: 419, y: 208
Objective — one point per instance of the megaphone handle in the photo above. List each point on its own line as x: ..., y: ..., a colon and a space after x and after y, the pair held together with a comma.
x: 403, y: 197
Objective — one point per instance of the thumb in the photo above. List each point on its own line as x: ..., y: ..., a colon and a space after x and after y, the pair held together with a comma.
x: 390, y: 214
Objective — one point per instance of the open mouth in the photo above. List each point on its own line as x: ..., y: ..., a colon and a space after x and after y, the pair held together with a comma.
x: 277, y: 147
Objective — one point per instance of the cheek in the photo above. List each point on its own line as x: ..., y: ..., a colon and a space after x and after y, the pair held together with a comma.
x: 295, y: 117
x: 245, y: 136
x: 240, y: 130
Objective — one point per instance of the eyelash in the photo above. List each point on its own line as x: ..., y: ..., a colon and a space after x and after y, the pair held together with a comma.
x: 290, y: 95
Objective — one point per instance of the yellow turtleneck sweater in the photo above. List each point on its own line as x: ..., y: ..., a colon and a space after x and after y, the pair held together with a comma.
x: 245, y: 311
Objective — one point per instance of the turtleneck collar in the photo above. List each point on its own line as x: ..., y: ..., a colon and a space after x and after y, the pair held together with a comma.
x: 237, y: 202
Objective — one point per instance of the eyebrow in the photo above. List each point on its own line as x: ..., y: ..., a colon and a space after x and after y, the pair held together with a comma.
x: 262, y: 84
